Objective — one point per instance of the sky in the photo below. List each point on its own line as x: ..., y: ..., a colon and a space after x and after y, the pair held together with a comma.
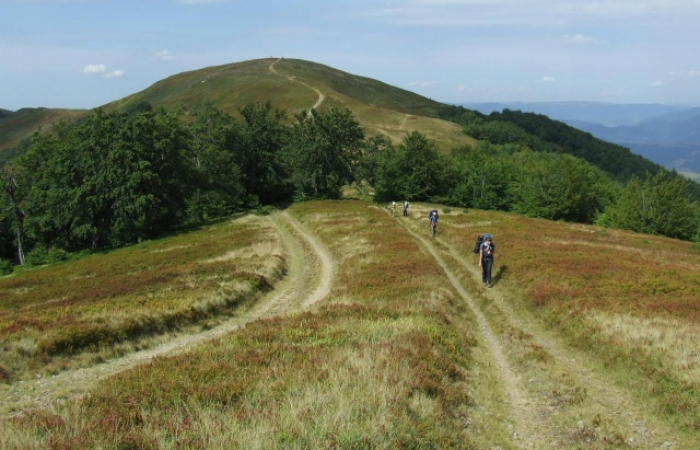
x: 86, y: 53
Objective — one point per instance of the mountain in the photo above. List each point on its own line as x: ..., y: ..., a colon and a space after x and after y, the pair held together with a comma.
x: 4, y: 113
x: 290, y: 85
x: 21, y: 124
x: 607, y: 114
x: 295, y: 85
x: 672, y: 140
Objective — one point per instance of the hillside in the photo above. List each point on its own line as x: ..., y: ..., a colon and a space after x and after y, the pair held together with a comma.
x: 4, y: 113
x: 295, y: 85
x: 606, y: 114
x: 334, y: 325
x: 23, y: 123
x: 291, y: 85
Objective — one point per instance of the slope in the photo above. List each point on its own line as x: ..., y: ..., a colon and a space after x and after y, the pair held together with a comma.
x: 293, y: 85
x: 23, y: 123
x: 405, y: 348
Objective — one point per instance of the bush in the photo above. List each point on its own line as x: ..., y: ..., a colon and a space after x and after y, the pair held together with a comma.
x: 56, y: 254
x: 38, y: 256
x: 6, y: 267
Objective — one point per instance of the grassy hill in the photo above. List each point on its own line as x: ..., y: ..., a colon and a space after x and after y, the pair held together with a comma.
x: 23, y: 123
x: 569, y: 350
x: 291, y: 85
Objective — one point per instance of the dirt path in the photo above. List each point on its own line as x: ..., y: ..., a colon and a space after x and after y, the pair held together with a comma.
x: 642, y: 430
x: 569, y: 400
x: 321, y: 95
x: 310, y: 274
x: 528, y: 430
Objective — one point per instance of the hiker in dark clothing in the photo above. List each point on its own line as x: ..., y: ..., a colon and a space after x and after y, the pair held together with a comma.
x: 486, y: 251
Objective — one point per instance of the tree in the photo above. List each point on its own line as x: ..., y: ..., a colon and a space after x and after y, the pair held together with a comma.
x: 257, y: 147
x: 108, y: 180
x: 484, y: 176
x: 415, y: 171
x: 15, y: 193
x: 659, y: 204
x: 218, y: 186
x: 320, y: 153
x: 558, y: 187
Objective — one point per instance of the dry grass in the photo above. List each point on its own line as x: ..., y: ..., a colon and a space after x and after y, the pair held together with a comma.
x: 630, y: 300
x: 94, y: 304
x: 382, y: 363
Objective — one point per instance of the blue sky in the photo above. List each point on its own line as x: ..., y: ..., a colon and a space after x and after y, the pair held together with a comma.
x: 85, y: 53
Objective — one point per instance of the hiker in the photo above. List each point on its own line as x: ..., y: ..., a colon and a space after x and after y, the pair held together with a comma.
x: 405, y: 208
x: 486, y: 251
x: 433, y: 218
x: 392, y: 208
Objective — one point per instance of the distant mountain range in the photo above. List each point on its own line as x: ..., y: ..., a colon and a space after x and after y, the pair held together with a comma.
x: 667, y: 135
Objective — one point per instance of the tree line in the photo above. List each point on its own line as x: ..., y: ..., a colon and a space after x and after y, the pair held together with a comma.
x: 113, y: 179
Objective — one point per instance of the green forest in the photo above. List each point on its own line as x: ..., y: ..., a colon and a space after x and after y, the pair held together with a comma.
x: 113, y: 179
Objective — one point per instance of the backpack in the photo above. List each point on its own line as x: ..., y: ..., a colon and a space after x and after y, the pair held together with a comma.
x: 433, y: 212
x: 480, y: 240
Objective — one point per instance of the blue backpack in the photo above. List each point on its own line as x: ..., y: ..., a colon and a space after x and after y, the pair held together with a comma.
x: 480, y: 240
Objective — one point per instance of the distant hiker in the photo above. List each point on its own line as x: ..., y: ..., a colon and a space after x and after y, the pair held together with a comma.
x: 392, y: 208
x: 405, y: 208
x: 433, y: 217
x: 486, y: 251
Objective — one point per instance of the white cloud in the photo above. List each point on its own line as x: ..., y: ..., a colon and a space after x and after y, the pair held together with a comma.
x: 580, y: 39
x: 657, y: 83
x: 164, y: 55
x: 93, y: 69
x: 548, y: 80
x: 116, y: 74
x: 694, y: 74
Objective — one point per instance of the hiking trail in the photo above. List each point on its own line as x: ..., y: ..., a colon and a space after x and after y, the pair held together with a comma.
x: 309, y: 277
x: 540, y: 418
x: 321, y: 95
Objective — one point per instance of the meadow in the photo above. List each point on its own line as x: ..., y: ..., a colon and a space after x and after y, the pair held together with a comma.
x: 82, y: 312
x: 630, y: 300
x: 396, y: 355
x: 381, y: 363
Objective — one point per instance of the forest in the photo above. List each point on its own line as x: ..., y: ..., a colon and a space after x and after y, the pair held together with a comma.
x: 113, y: 179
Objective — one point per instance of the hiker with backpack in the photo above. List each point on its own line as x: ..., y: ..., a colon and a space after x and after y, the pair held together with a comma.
x: 392, y: 209
x: 486, y: 250
x: 433, y: 217
x: 405, y: 208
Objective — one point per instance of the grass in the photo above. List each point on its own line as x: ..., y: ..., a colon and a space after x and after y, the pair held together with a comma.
x: 632, y: 301
x: 51, y: 313
x: 379, y: 108
x: 392, y: 357
x: 24, y: 123
x: 383, y: 362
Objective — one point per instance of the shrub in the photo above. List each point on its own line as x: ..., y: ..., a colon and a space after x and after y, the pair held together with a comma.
x: 6, y: 267
x: 38, y: 256
x: 56, y: 254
